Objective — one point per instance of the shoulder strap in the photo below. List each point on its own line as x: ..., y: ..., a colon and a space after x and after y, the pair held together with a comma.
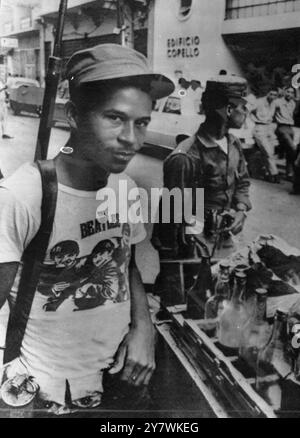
x: 183, y: 147
x: 32, y: 261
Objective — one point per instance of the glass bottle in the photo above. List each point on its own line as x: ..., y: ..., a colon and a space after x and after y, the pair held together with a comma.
x: 200, y: 291
x: 271, y: 358
x: 256, y: 332
x: 215, y: 304
x: 272, y: 355
x: 234, y: 316
x: 243, y: 268
x: 249, y: 296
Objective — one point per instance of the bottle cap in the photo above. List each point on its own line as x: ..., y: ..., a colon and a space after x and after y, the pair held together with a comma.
x: 241, y: 268
x: 261, y: 291
x: 240, y: 274
x: 225, y: 264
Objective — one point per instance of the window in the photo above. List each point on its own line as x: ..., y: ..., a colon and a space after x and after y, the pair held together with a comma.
x: 185, y: 8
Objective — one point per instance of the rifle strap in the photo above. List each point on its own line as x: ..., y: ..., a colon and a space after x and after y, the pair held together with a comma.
x: 33, y: 258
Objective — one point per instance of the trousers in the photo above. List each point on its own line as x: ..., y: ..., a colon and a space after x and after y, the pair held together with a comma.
x: 285, y: 135
x: 264, y: 137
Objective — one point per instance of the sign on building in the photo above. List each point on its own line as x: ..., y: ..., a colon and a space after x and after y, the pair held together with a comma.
x: 25, y: 23
x: 11, y: 43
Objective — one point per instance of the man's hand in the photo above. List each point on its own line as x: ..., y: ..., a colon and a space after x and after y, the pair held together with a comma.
x: 238, y: 223
x: 135, y: 355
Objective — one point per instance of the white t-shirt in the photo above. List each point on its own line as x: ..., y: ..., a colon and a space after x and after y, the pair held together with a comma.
x: 223, y: 143
x: 81, y: 309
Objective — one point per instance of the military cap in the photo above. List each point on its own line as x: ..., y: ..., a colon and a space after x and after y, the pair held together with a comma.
x: 224, y: 89
x: 113, y: 61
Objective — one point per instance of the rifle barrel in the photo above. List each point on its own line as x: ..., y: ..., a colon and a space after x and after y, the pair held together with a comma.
x: 60, y: 28
x: 52, y: 78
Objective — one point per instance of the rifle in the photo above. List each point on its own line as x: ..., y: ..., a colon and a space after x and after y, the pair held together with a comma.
x: 52, y: 78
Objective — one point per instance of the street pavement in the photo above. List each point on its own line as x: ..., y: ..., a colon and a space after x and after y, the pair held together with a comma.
x: 274, y: 210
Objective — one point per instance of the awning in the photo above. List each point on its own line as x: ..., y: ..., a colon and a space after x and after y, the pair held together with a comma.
x: 275, y: 47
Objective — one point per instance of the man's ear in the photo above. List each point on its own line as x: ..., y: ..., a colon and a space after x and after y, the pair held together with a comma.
x: 72, y: 114
x: 224, y: 112
x: 229, y: 109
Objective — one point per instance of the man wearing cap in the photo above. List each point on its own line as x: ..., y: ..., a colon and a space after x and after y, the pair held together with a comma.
x: 213, y: 159
x: 102, y: 324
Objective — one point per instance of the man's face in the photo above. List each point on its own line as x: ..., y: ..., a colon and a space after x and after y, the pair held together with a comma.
x: 289, y: 93
x: 272, y: 95
x: 237, y: 116
x: 111, y: 134
x: 66, y: 260
x: 100, y: 258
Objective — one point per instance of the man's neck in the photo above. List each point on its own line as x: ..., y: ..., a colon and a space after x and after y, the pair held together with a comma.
x: 215, y: 131
x: 79, y: 174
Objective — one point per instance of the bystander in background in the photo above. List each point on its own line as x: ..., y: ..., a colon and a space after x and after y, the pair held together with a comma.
x: 3, y: 110
x: 265, y: 138
x: 284, y: 116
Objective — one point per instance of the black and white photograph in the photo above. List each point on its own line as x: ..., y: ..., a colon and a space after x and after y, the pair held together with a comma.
x: 149, y: 211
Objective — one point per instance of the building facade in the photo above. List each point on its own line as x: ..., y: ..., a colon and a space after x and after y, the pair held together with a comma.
x: 18, y: 20
x: 264, y: 37
x: 197, y: 38
x: 194, y: 39
x: 87, y: 23
x: 187, y: 39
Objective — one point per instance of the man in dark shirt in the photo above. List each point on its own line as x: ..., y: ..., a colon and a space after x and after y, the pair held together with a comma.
x: 213, y: 159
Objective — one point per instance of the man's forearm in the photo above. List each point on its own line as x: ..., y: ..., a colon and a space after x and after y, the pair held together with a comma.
x: 139, y: 304
x: 241, y: 197
x: 138, y: 346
